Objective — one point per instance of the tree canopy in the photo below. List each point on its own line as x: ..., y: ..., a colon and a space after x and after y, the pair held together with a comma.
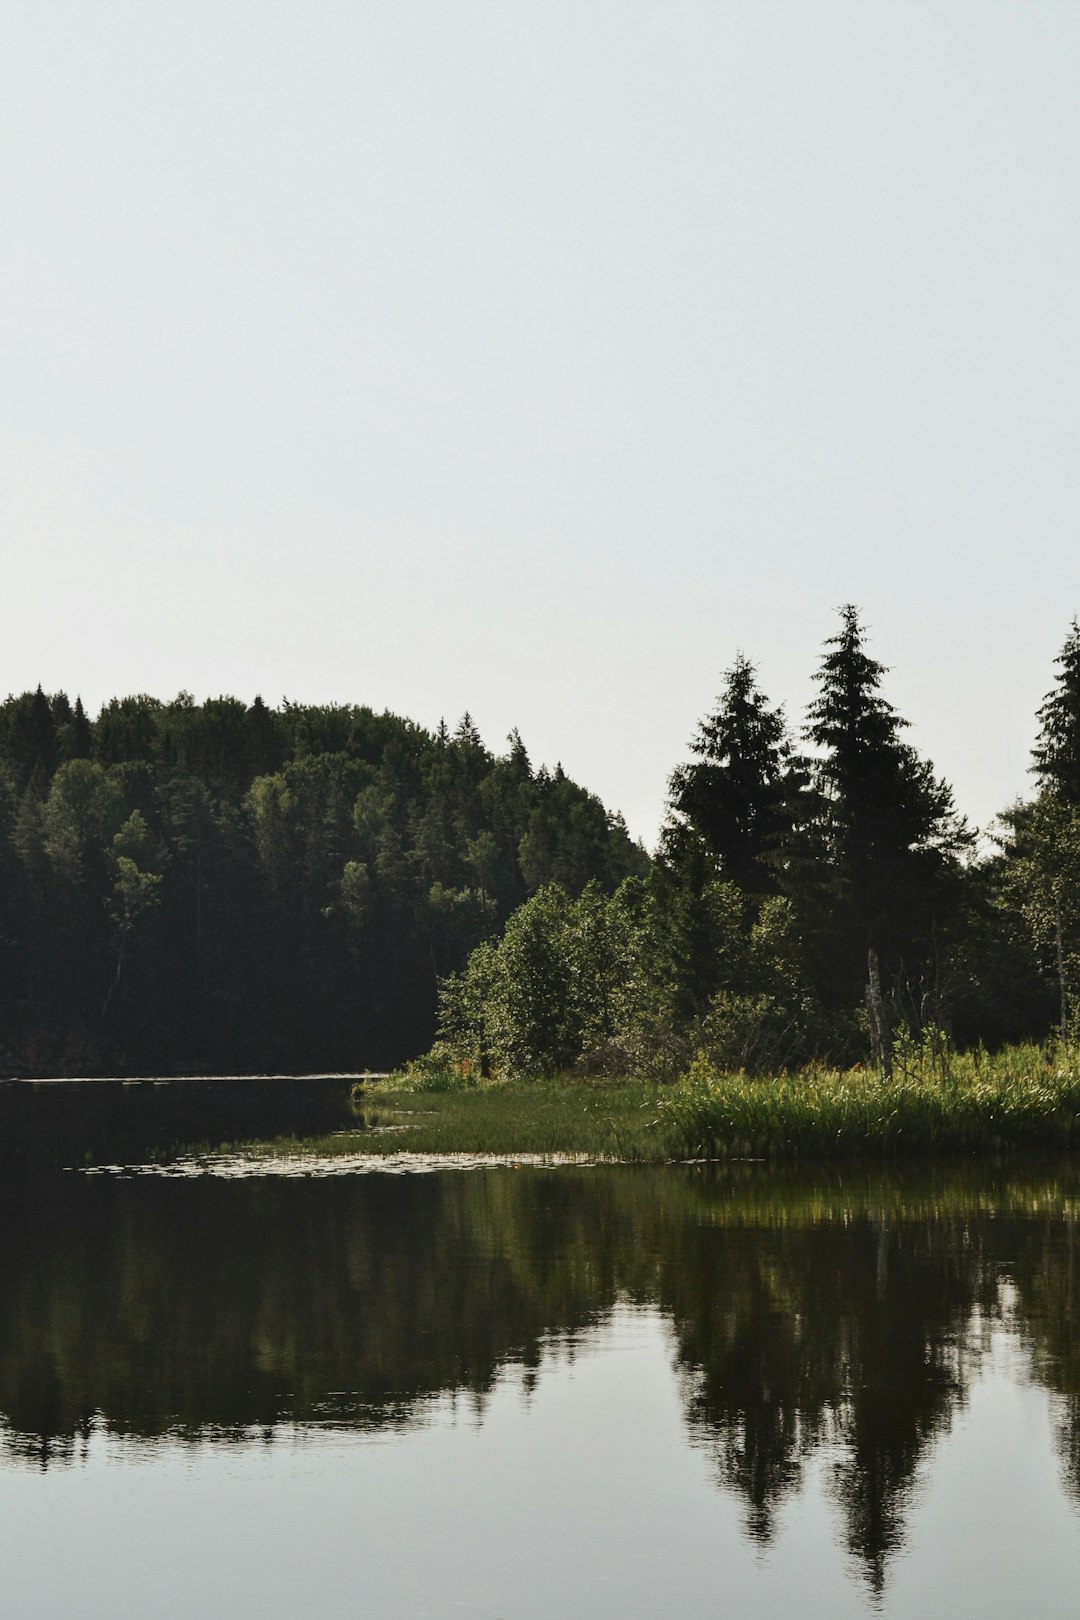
x: 230, y: 886
x: 223, y: 885
x: 800, y: 907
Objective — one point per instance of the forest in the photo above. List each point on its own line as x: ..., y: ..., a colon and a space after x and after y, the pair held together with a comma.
x: 191, y: 887
x: 228, y: 887
x: 815, y: 898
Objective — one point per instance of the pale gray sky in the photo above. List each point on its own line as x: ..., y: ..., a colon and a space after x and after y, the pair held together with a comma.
x: 532, y: 358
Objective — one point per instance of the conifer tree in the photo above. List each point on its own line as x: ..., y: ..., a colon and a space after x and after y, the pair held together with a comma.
x: 1042, y: 839
x: 730, y: 805
x: 888, y: 830
x: 42, y: 732
x: 1057, y: 753
x: 518, y: 758
x: 80, y: 737
x: 29, y: 739
x: 264, y: 749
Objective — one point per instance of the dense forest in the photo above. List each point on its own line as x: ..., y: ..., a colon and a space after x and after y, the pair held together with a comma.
x: 224, y: 886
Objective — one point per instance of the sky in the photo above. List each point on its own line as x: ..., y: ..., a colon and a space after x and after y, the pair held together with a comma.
x: 533, y: 359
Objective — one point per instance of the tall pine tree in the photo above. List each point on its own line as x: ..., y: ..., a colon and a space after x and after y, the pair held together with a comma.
x: 1056, y: 755
x: 729, y: 808
x: 1042, y: 871
x: 888, y: 832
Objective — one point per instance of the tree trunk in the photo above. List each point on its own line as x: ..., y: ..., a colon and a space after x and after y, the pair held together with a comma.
x: 880, y: 1041
x: 1063, y: 987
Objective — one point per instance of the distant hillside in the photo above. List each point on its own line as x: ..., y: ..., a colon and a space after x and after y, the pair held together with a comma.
x: 231, y: 886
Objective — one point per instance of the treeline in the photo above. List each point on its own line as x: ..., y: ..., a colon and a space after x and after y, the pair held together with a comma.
x: 224, y: 886
x: 812, y: 897
x: 227, y: 886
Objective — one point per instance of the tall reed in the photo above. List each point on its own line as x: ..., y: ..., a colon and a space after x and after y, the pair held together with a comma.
x: 934, y: 1101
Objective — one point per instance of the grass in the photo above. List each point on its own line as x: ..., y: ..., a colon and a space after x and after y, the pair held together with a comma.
x: 936, y: 1103
x: 589, y: 1120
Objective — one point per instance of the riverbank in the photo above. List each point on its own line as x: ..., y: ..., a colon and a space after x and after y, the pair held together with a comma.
x: 935, y: 1102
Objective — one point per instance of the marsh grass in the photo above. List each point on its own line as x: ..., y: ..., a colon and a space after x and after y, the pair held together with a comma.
x: 590, y: 1120
x: 936, y: 1103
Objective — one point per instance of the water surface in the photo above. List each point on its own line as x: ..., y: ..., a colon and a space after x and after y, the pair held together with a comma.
x: 524, y: 1392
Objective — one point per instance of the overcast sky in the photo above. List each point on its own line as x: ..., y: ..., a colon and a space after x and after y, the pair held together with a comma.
x: 532, y: 359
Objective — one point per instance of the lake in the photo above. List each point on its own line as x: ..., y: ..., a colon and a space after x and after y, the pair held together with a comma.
x: 516, y: 1393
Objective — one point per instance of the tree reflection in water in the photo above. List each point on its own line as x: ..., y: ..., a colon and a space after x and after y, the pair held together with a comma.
x: 842, y: 1318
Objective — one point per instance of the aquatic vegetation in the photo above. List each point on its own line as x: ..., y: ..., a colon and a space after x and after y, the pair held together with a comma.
x: 588, y: 1119
x: 935, y: 1101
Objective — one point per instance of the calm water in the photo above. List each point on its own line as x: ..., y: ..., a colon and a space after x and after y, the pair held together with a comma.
x: 515, y: 1394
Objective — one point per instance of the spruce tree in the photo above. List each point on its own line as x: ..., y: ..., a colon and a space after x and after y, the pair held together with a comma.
x: 263, y: 750
x: 887, y: 828
x: 30, y: 742
x: 80, y: 742
x: 728, y: 810
x: 724, y: 841
x: 1056, y: 755
x: 1041, y: 872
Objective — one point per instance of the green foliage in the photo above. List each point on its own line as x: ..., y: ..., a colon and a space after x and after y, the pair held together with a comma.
x: 355, y: 890
x: 782, y: 886
x: 565, y: 987
x: 532, y: 1015
x: 937, y: 1101
x: 579, y: 985
x: 248, y: 887
x: 230, y: 886
x: 1056, y: 754
x: 732, y: 803
x: 1043, y: 879
x: 886, y: 828
x: 433, y: 1108
x: 134, y: 892
x: 778, y: 876
x: 1041, y: 870
x: 81, y: 813
x: 28, y: 738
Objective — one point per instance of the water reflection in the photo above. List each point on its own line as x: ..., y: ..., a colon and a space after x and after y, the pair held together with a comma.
x: 859, y: 1320
x: 840, y: 1319
x: 49, y: 1126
